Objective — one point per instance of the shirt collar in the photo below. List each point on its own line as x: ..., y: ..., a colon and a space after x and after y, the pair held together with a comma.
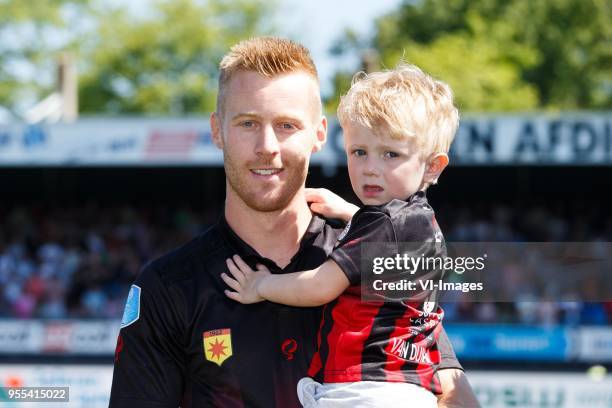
x: 250, y: 255
x: 417, y: 195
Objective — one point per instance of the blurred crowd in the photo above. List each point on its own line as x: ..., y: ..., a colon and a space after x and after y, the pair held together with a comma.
x: 79, y: 261
x: 534, y: 302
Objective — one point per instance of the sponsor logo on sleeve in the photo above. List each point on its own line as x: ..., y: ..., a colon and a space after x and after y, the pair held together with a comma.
x: 131, y: 313
x: 344, y: 232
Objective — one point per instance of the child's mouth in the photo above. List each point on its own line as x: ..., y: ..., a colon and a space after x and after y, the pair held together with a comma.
x: 372, y: 190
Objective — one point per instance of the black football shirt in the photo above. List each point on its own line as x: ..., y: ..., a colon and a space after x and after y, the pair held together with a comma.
x: 184, y: 343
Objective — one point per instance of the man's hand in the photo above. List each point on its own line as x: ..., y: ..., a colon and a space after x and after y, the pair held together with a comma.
x: 456, y: 390
x: 244, y: 281
x: 324, y: 202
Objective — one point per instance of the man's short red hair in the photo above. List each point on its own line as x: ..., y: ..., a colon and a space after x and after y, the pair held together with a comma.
x: 268, y: 56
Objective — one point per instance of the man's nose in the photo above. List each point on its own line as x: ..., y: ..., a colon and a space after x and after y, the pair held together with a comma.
x: 267, y: 142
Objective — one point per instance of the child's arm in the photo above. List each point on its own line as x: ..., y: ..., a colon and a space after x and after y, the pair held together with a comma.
x: 308, y: 288
x: 330, y: 205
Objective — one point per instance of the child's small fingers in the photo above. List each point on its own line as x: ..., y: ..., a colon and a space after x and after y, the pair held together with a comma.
x: 317, y: 207
x: 262, y: 268
x: 232, y: 283
x: 313, y: 195
x: 236, y: 273
x: 233, y: 295
x: 244, y: 268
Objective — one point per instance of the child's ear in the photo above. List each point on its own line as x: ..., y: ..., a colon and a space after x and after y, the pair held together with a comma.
x: 434, y: 167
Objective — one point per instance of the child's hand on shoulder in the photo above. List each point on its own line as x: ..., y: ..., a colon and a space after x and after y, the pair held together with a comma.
x: 330, y: 205
x: 243, y: 280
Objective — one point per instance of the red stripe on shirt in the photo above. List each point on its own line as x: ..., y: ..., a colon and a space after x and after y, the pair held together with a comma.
x: 393, y: 367
x: 344, y: 362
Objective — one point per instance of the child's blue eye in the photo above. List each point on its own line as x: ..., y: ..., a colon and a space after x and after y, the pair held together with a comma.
x: 359, y: 152
x: 391, y: 155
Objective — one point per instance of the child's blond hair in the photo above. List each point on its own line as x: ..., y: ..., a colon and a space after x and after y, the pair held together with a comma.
x: 403, y: 103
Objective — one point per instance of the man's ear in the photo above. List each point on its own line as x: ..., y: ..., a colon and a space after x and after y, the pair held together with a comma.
x: 321, y: 135
x: 434, y: 167
x: 215, y: 127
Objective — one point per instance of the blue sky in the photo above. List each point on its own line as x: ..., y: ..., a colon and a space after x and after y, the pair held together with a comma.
x: 317, y: 23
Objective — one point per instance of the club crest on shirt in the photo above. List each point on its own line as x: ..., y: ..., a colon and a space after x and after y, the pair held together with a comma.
x: 217, y: 345
x: 131, y: 313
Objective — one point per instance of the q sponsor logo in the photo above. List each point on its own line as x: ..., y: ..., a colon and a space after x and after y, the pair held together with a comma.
x: 289, y: 348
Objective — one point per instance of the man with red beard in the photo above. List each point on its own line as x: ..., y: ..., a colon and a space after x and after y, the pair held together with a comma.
x: 183, y: 341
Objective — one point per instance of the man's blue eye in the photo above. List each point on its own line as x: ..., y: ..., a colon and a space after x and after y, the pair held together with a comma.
x: 248, y: 123
x: 287, y: 126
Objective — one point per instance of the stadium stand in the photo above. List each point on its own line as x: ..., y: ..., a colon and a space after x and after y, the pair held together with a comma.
x: 79, y: 260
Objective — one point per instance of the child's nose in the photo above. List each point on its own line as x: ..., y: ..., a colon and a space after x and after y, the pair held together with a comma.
x: 370, y: 168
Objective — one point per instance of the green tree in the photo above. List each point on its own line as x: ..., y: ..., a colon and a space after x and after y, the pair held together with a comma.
x: 32, y: 35
x: 504, y: 55
x: 164, y: 62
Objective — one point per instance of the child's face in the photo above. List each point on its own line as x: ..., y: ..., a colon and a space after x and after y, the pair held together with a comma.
x: 382, y: 168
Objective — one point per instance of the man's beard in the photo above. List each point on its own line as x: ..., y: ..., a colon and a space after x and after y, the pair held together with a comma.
x: 295, y: 177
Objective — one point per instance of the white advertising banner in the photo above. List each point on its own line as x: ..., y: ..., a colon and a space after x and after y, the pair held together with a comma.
x: 78, y: 337
x: 500, y: 389
x: 595, y: 344
x: 114, y: 142
x: 564, y: 138
x: 538, y: 139
x: 20, y: 336
x: 89, y: 386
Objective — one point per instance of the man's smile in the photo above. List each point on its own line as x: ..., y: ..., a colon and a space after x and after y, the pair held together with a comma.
x: 266, y: 172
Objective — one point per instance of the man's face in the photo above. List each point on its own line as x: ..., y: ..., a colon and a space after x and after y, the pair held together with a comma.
x: 382, y: 168
x: 268, y: 130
